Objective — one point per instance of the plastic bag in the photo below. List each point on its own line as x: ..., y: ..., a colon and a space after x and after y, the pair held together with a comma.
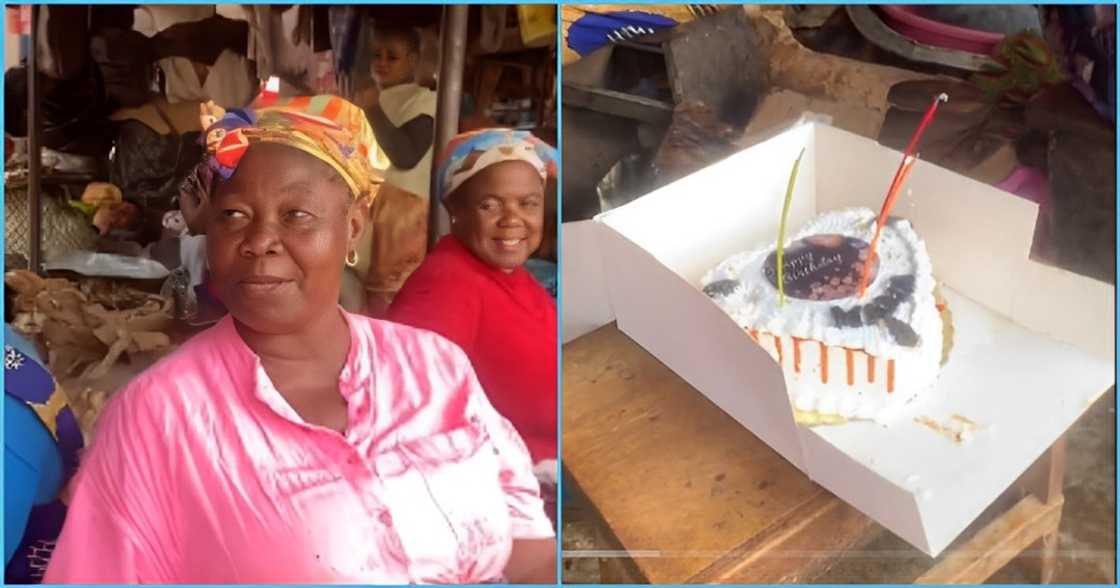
x: 148, y: 167
x: 108, y: 265
x: 178, y: 288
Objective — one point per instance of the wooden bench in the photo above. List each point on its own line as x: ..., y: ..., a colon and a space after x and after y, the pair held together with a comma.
x: 685, y: 494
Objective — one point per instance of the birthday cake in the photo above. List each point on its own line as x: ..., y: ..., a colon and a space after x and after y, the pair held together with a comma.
x: 845, y: 356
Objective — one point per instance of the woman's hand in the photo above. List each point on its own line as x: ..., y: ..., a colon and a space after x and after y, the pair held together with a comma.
x: 532, y: 561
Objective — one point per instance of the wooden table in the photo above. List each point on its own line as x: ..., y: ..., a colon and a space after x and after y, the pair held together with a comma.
x: 689, y: 495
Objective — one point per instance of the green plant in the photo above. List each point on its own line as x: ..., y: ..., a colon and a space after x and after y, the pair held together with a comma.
x: 1026, y: 65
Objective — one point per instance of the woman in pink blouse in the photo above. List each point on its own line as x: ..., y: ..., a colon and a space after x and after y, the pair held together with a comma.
x: 293, y: 442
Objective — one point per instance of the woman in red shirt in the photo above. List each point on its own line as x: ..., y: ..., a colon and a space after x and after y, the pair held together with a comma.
x: 474, y: 290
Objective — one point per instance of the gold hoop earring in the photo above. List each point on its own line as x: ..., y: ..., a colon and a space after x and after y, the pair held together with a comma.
x: 352, y: 258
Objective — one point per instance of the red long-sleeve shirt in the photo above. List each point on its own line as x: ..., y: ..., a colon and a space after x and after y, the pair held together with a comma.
x: 506, y: 323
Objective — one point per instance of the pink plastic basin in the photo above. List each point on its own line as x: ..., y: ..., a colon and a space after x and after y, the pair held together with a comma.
x: 1029, y: 183
x: 907, y: 21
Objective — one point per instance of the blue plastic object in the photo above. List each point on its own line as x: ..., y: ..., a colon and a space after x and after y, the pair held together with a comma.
x: 592, y: 31
x: 545, y: 274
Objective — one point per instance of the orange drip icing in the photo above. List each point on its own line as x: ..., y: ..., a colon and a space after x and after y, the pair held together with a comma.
x: 778, y: 346
x: 797, y: 355
x: 890, y: 376
x: 824, y: 363
x: 851, y: 366
x: 754, y: 334
x: 870, y: 369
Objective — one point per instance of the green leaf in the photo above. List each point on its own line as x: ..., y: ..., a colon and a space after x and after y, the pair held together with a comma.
x: 782, y: 228
x: 86, y: 209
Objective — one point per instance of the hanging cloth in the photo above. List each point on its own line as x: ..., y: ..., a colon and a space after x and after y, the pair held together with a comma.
x: 229, y: 83
x: 493, y: 28
x: 345, y: 25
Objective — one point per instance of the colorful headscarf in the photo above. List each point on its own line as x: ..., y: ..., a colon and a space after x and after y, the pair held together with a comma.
x: 471, y: 152
x: 332, y: 129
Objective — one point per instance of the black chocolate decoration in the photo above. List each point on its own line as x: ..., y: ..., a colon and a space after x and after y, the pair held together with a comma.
x: 879, y: 311
x: 720, y: 288
x: 846, y: 318
x: 879, y: 308
x: 904, y: 285
x: 901, y: 332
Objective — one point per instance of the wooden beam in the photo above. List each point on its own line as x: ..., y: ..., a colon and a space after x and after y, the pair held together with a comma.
x: 795, y: 550
x: 618, y: 104
x: 1054, y: 462
x: 1045, y: 481
x: 1001, y: 541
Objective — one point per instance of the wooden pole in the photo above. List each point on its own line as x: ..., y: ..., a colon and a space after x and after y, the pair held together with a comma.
x: 453, y: 38
x: 34, y: 150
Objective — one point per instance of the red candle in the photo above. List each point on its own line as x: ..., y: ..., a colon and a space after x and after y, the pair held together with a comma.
x: 908, y: 158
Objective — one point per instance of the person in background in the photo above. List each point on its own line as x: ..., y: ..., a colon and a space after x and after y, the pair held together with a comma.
x: 294, y: 442
x: 402, y: 114
x: 474, y: 289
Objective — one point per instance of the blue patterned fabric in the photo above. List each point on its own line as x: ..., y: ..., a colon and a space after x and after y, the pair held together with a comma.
x: 592, y: 31
x: 41, y: 444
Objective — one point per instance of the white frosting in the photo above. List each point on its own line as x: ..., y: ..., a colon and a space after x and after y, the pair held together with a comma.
x: 819, y: 382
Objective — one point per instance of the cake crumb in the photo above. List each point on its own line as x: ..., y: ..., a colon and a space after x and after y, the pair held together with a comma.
x: 816, y: 419
x: 958, y: 430
x: 965, y: 420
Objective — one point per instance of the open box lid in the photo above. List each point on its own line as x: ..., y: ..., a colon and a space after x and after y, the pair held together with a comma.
x: 1034, y: 345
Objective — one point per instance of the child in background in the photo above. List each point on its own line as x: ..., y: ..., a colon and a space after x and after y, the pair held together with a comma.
x: 402, y: 114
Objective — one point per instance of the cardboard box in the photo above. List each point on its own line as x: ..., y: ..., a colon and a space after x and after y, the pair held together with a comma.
x: 583, y: 289
x: 1033, y: 345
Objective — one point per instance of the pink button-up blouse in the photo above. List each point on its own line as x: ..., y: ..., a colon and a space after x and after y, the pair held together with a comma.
x: 200, y: 472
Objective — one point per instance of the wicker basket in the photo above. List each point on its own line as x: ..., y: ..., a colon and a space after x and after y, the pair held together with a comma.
x: 65, y: 228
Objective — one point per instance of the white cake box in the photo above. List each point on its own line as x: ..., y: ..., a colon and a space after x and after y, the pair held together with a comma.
x: 1033, y: 345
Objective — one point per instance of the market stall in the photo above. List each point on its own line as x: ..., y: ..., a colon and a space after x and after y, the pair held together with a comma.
x: 491, y: 61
